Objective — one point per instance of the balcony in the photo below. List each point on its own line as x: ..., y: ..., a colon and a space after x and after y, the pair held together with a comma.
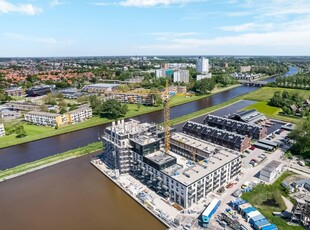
x: 199, y: 186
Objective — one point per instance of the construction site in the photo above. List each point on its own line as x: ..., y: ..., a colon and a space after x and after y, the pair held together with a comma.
x: 301, y: 211
x: 167, y: 172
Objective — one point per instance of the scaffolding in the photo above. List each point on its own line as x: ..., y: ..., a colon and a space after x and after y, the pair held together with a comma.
x: 301, y: 212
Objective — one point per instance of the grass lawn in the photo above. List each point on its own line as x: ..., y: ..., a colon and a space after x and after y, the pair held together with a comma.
x: 264, y: 108
x: 271, y: 111
x: 266, y: 93
x: 93, y: 147
x: 267, y: 199
x: 182, y: 99
x: 203, y: 111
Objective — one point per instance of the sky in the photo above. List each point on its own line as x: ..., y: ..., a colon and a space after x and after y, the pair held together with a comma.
x: 47, y: 28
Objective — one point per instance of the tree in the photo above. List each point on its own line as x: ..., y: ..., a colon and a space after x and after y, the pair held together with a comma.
x: 138, y: 105
x: 95, y: 103
x: 113, y: 109
x: 204, y: 86
x: 156, y: 98
x: 43, y: 108
x: 20, y: 131
x: 62, y: 106
x: 3, y: 81
x: 225, y: 79
x: 301, y: 136
x: 276, y: 100
x: 50, y: 99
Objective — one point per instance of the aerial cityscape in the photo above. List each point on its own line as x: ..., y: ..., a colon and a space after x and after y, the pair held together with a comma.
x: 155, y: 114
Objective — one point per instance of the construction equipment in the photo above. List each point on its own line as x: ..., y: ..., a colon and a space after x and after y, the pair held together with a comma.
x: 167, y: 118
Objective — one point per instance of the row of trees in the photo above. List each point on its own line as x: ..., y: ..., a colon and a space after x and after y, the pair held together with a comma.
x: 271, y: 69
x: 299, y: 81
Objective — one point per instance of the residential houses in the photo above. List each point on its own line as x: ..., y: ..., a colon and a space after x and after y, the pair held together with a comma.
x: 217, y: 136
x: 55, y: 119
x: 242, y: 128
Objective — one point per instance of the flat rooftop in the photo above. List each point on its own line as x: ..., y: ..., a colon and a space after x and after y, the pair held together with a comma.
x: 144, y: 139
x: 202, y: 145
x: 44, y: 114
x: 270, y: 167
x: 160, y: 157
x: 102, y: 85
x: 187, y: 171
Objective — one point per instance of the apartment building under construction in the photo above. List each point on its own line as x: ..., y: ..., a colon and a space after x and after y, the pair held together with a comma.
x: 191, y: 169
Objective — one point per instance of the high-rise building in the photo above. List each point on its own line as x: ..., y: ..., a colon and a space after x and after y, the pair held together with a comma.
x: 181, y: 76
x: 202, y: 65
x: 160, y: 73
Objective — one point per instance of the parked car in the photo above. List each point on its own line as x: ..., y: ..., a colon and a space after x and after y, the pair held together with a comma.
x: 237, y: 193
x: 246, y: 151
x: 252, y: 147
x: 263, y: 156
x: 301, y: 163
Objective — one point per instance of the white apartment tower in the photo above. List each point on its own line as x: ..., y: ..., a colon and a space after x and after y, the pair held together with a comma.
x: 181, y: 76
x: 202, y: 65
x: 160, y: 73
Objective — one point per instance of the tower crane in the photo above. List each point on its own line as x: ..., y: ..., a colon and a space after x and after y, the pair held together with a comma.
x: 167, y: 118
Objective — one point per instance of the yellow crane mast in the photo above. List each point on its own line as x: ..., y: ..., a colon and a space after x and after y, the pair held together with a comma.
x: 167, y: 118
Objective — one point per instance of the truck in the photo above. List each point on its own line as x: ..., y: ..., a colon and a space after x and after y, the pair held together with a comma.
x: 209, y: 211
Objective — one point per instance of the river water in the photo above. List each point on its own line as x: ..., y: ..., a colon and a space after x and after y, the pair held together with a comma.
x: 73, y: 194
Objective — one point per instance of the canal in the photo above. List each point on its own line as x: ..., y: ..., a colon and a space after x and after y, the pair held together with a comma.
x: 73, y: 194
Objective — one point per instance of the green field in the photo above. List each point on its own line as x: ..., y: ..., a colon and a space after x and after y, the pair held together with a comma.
x: 48, y: 160
x: 266, y: 93
x: 271, y: 112
x: 267, y: 199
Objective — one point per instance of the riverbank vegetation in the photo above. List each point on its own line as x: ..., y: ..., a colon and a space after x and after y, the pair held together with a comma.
x: 297, y: 81
x: 93, y: 147
x: 268, y: 199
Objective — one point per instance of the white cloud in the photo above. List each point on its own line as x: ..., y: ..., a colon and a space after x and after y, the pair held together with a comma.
x: 151, y: 3
x: 45, y: 40
x: 7, y: 7
x: 248, y: 27
x: 278, y: 7
x: 289, y: 35
x: 55, y: 3
x: 147, y: 3
x: 103, y: 3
